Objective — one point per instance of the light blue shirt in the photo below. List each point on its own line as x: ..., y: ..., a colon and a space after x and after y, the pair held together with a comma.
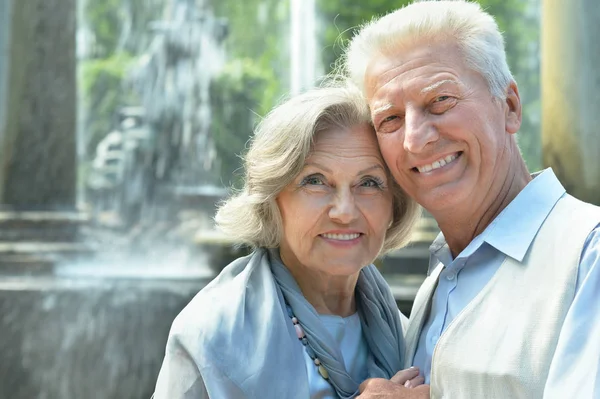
x: 576, y: 363
x: 347, y: 333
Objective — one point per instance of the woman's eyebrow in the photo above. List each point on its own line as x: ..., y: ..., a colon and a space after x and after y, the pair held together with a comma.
x: 370, y: 168
x: 326, y: 169
x: 318, y: 165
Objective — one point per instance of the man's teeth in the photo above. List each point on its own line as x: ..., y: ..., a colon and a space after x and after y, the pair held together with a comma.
x: 437, y: 164
x: 342, y: 237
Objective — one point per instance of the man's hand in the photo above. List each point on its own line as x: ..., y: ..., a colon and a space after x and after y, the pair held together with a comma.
x: 380, y: 388
x: 401, y: 386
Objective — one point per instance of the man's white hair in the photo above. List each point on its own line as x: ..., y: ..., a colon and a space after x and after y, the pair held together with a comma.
x: 454, y: 21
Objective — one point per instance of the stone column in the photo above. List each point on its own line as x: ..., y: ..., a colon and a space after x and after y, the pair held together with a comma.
x: 38, y: 164
x: 571, y: 94
x: 5, y: 13
x: 38, y: 160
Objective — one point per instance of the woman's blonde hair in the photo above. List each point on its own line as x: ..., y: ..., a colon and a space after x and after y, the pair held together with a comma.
x: 277, y: 153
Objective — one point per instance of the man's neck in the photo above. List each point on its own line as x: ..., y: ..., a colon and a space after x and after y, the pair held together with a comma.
x: 462, y: 225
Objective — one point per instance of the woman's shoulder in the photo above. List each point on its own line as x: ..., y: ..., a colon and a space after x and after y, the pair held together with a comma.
x: 216, y: 305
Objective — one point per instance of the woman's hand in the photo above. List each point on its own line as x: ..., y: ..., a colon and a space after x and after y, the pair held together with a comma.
x: 410, y: 377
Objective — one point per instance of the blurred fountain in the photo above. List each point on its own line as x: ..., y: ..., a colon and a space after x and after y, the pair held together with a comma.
x: 154, y: 178
x: 174, y: 164
x: 173, y: 80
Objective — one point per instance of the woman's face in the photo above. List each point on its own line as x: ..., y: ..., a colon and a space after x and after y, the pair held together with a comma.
x: 337, y: 210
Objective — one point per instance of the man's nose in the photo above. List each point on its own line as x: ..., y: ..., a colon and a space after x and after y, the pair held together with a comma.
x: 343, y: 208
x: 418, y: 131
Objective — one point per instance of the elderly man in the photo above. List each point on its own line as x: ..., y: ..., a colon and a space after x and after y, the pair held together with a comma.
x: 511, y: 306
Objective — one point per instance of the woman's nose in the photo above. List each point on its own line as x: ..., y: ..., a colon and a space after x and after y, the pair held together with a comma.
x: 343, y: 209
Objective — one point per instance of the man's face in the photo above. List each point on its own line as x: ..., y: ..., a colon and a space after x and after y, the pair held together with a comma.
x: 441, y: 132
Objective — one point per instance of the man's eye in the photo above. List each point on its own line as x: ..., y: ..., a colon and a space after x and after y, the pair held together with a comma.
x: 441, y: 99
x: 388, y: 124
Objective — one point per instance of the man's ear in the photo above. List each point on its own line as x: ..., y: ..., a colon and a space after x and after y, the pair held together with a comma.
x: 513, y: 110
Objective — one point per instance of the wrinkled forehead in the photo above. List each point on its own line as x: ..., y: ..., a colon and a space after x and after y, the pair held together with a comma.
x: 418, y: 71
x: 388, y: 63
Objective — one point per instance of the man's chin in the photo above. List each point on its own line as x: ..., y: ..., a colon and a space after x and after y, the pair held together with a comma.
x: 447, y: 198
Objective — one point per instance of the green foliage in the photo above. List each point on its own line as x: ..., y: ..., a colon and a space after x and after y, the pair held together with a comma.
x: 234, y: 96
x: 341, y: 19
x: 105, y: 22
x: 256, y: 29
x: 101, y: 83
x: 119, y: 28
x: 254, y: 79
x: 120, y: 25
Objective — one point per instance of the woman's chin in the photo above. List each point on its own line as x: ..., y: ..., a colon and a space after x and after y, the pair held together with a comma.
x: 344, y: 267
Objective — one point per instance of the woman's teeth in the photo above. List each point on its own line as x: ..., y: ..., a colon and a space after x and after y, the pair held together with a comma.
x: 341, y: 237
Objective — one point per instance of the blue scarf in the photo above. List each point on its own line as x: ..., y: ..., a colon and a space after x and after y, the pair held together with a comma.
x: 239, y: 335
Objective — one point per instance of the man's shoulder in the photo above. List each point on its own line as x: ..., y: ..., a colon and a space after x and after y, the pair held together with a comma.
x: 577, y: 213
x: 575, y: 202
x: 582, y: 218
x: 590, y: 254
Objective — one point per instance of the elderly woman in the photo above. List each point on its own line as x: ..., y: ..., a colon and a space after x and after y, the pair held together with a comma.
x: 306, y: 315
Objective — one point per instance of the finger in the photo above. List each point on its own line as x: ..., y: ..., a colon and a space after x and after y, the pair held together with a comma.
x: 405, y: 375
x: 415, y: 382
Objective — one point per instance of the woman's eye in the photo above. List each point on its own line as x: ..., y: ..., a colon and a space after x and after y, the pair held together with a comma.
x: 312, y: 181
x: 441, y: 99
x: 371, y: 183
x: 389, y: 118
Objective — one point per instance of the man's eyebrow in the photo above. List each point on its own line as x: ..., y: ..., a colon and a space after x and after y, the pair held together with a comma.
x: 437, y: 84
x: 379, y: 110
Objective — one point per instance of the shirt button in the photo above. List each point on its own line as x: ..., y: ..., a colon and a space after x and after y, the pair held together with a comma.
x: 434, y: 339
x: 450, y: 276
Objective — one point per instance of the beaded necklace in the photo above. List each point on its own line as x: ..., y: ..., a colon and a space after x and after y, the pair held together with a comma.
x: 311, y: 353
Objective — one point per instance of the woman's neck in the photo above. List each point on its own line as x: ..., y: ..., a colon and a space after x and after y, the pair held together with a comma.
x: 329, y: 295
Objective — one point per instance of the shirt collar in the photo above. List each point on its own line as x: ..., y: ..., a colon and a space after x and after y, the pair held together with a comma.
x: 514, y: 229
